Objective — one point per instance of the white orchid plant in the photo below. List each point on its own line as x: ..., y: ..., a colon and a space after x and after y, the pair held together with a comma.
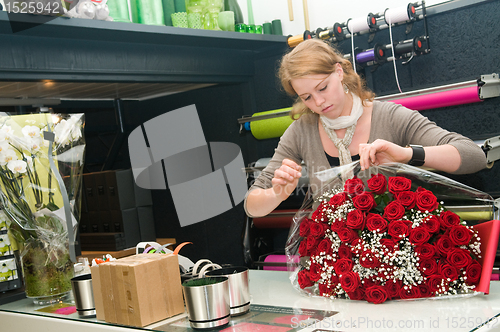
x: 27, y: 181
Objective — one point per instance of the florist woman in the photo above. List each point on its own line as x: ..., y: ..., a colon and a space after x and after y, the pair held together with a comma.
x: 338, y: 121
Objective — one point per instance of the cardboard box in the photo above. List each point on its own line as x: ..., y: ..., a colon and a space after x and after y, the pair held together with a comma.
x: 138, y: 290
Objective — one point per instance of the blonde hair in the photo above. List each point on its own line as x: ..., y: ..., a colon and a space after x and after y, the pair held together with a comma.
x: 313, y: 57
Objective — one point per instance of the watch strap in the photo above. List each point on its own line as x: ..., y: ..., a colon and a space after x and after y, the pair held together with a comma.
x: 418, y: 157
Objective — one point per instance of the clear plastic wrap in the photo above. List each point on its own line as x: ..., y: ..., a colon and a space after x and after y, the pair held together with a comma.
x: 389, y: 232
x: 41, y: 162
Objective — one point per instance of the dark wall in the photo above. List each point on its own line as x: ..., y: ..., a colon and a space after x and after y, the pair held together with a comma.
x: 465, y: 44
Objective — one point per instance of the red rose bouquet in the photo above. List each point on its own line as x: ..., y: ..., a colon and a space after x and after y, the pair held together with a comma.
x: 386, y: 238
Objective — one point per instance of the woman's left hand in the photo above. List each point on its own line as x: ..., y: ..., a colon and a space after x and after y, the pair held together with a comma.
x: 382, y: 152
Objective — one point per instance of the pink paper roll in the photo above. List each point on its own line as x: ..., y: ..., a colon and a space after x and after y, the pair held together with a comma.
x: 441, y: 99
x: 278, y: 259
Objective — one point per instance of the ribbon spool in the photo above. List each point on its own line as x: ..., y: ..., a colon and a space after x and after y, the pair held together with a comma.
x: 296, y: 40
x: 400, y: 14
x: 376, y: 54
x: 361, y: 23
x: 409, y: 46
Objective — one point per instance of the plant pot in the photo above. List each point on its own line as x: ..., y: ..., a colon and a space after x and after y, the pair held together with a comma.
x: 239, y: 294
x: 207, y: 302
x: 47, y: 272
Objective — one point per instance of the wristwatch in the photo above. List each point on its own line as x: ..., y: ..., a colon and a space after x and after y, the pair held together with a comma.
x: 418, y: 158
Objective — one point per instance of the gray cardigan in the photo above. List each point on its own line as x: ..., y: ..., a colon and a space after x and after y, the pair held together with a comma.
x: 390, y: 121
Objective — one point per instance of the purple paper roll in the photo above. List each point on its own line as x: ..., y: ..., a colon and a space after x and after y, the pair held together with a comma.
x: 365, y: 56
x: 441, y: 99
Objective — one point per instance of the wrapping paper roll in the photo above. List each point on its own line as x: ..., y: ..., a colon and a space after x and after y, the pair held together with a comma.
x: 270, y: 128
x: 168, y: 10
x: 441, y: 99
x: 278, y: 259
x: 180, y: 6
x: 119, y: 10
x: 478, y: 215
x: 267, y: 28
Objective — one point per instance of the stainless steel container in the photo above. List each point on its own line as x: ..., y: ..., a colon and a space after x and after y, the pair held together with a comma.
x: 239, y: 294
x: 84, y: 296
x: 207, y: 302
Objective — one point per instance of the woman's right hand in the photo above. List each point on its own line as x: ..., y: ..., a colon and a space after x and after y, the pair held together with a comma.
x: 286, y: 178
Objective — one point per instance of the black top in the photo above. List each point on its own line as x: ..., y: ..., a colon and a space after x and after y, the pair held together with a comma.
x: 334, y: 161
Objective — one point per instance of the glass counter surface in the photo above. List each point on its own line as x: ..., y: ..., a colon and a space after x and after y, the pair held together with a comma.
x: 273, y: 288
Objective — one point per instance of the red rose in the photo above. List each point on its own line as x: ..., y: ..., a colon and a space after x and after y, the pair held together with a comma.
x: 427, y: 201
x: 354, y: 186
x: 304, y: 227
x: 398, y: 184
x: 443, y: 245
x: 425, y: 250
x: 377, y: 183
x: 315, y: 272
x: 419, y: 235
x: 398, y: 229
x: 435, y: 282
x: 364, y: 201
x: 375, y: 222
x: 449, y: 219
x: 432, y: 223
x: 390, y: 244
x: 344, y: 252
x: 343, y: 266
x: 338, y: 199
x: 448, y: 272
x: 317, y: 230
x: 303, y: 248
x: 460, y: 235
x: 428, y: 266
x: 347, y: 235
x: 368, y: 283
x: 376, y: 294
x: 425, y: 291
x: 357, y: 246
x: 319, y: 214
x: 459, y: 258
x: 407, y: 198
x: 325, y: 246
x: 392, y: 287
x: 411, y: 292
x: 312, y: 243
x: 350, y: 281
x: 355, y: 220
x: 337, y: 224
x: 394, y: 211
x: 325, y: 290
x: 303, y: 278
x: 357, y: 295
x: 369, y: 260
x: 473, y: 273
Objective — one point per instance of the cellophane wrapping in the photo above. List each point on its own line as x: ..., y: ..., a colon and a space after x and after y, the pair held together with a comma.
x: 389, y: 232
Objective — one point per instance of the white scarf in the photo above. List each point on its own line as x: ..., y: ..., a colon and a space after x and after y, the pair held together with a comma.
x: 349, y: 122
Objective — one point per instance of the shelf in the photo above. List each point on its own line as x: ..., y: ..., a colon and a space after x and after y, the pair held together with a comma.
x: 162, y: 59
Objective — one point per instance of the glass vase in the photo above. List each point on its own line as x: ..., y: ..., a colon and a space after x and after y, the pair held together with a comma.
x: 47, y: 271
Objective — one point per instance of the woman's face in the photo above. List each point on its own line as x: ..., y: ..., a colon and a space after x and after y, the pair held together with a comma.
x: 323, y: 94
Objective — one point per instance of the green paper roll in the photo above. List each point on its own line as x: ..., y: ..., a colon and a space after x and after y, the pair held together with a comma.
x: 168, y: 10
x: 147, y: 12
x: 277, y: 27
x: 119, y: 10
x: 258, y: 29
x: 267, y: 28
x: 180, y: 6
x: 194, y: 21
x: 270, y: 128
